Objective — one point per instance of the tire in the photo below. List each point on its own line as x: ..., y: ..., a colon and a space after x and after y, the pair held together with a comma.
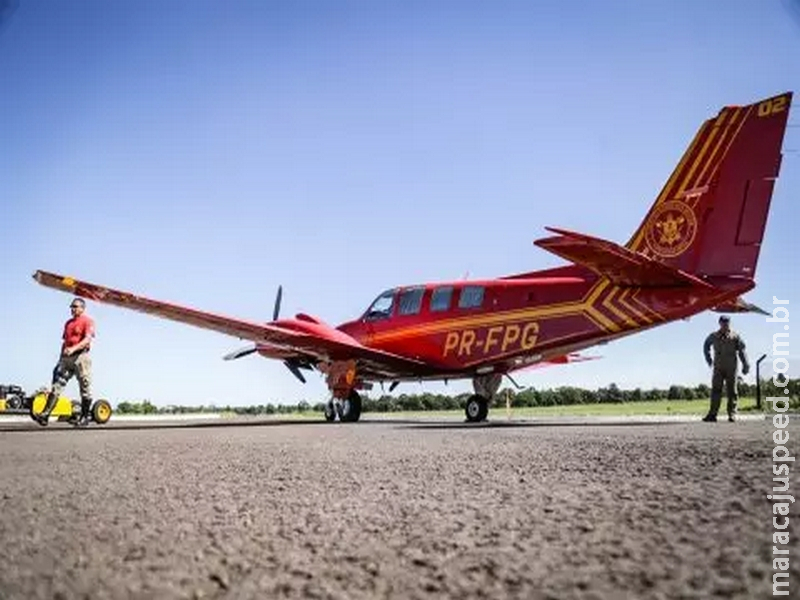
x: 101, y: 412
x: 351, y: 408
x: 14, y: 403
x: 477, y: 408
x: 330, y: 412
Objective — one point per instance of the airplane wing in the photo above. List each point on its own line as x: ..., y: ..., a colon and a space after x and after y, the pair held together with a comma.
x: 329, y: 345
x: 621, y: 265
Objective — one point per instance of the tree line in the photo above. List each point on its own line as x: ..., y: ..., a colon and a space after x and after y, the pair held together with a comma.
x: 528, y: 397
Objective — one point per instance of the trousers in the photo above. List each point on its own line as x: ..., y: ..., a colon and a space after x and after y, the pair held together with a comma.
x: 724, y: 377
x: 77, y: 365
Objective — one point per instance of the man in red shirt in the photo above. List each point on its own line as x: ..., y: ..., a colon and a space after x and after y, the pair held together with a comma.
x: 74, y: 360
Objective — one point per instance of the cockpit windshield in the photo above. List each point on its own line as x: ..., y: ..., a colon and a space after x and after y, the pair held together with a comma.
x: 382, y: 307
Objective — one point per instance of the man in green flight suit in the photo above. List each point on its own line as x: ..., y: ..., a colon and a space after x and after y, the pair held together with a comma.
x: 728, y: 345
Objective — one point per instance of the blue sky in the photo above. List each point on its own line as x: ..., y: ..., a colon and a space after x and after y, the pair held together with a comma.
x: 206, y: 152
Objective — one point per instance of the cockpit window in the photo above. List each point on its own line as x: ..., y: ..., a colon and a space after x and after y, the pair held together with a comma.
x: 381, y: 308
x: 440, y: 298
x: 471, y: 296
x: 410, y: 301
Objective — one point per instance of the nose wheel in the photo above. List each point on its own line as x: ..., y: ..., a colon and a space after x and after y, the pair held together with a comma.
x: 347, y: 410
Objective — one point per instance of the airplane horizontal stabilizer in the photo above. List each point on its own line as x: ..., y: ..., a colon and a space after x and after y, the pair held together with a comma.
x: 620, y: 265
x: 740, y: 306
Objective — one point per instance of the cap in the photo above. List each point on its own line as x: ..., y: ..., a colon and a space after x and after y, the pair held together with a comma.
x: 724, y: 319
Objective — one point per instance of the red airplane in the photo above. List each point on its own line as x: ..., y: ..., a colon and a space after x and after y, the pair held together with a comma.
x: 696, y: 250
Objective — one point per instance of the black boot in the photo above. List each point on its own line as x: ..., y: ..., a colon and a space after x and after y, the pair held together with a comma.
x: 43, y: 417
x: 86, y: 409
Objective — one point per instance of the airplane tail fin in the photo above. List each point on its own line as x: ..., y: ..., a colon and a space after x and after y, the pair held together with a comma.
x: 709, y: 218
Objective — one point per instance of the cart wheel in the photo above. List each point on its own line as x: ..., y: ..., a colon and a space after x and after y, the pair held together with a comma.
x: 101, y: 411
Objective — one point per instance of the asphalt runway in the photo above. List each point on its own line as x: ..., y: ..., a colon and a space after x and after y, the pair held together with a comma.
x: 391, y: 510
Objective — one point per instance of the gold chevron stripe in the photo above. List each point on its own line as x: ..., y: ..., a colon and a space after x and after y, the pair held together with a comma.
x: 623, y: 302
x: 590, y: 308
x: 607, y: 323
x: 594, y: 321
x: 646, y: 306
x: 607, y: 302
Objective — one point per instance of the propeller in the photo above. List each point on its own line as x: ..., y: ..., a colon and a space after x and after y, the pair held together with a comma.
x: 250, y: 349
x: 292, y: 364
x: 295, y: 369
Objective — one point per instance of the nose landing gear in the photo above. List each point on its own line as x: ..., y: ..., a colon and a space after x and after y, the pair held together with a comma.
x: 347, y: 410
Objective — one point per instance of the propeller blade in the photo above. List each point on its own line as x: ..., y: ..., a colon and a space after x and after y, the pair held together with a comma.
x: 240, y: 352
x: 295, y: 370
x: 277, y: 310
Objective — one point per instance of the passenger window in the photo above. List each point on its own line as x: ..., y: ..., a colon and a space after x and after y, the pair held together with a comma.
x: 440, y: 299
x: 410, y: 301
x: 471, y: 296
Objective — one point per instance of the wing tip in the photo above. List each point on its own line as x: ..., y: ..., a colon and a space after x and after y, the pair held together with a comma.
x: 62, y: 282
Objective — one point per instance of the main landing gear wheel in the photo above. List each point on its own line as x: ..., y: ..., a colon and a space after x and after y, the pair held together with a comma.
x: 330, y: 411
x: 477, y: 408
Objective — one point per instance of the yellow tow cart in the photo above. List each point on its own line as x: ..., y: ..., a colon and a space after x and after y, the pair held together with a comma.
x: 65, y: 409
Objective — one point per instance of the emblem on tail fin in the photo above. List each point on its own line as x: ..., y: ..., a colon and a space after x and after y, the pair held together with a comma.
x: 672, y: 229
